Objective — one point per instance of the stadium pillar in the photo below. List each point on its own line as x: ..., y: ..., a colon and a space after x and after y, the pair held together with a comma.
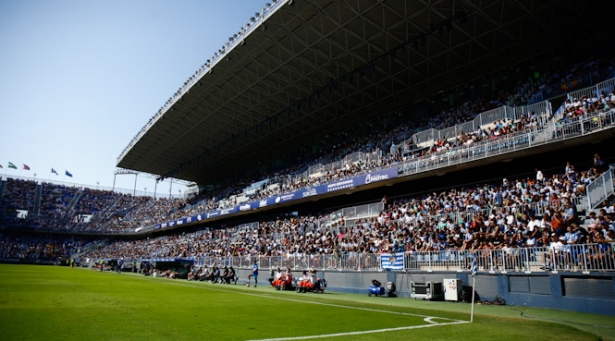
x: 134, y: 190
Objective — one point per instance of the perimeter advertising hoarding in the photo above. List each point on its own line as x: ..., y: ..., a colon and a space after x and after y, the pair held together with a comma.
x: 363, y: 179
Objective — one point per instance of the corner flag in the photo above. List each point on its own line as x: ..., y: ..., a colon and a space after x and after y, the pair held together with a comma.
x: 474, y: 270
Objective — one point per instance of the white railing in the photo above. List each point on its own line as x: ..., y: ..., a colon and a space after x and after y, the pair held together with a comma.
x: 349, y: 215
x: 353, y: 261
x: 427, y: 137
x: 513, y: 142
x: 600, y: 189
x: 594, y: 91
x: 320, y: 170
x: 566, y: 258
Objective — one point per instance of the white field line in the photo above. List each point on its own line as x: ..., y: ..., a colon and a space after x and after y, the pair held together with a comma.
x: 361, y: 332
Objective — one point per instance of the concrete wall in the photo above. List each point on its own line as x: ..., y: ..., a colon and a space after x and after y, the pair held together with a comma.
x: 593, y: 293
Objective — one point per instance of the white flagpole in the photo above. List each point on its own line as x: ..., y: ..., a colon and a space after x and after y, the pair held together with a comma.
x: 474, y: 270
x: 473, y: 294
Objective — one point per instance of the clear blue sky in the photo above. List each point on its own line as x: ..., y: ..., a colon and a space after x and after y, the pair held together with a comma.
x: 78, y: 79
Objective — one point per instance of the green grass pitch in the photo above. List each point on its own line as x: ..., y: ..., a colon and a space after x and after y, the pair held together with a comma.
x: 60, y: 303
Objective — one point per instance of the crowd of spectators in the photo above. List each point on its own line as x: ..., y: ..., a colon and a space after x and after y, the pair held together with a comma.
x: 581, y: 107
x: 109, y: 211
x: 40, y: 248
x: 128, y: 213
x: 528, y: 212
x: 525, y: 212
x: 65, y: 208
x: 93, y: 201
x: 55, y: 200
x: 19, y: 195
x: 115, y: 212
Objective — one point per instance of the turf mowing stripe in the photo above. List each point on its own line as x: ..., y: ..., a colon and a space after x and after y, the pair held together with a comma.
x: 361, y: 332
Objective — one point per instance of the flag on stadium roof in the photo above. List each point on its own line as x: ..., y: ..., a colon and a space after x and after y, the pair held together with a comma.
x: 26, y: 167
x: 68, y: 174
x: 11, y: 165
x: 54, y: 171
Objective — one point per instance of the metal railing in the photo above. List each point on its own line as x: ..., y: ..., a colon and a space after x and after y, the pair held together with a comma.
x: 352, y: 261
x: 600, y: 189
x: 350, y: 214
x: 566, y: 258
x: 594, y: 91
x: 563, y: 130
x: 506, y: 143
x: 319, y: 170
x: 427, y: 137
x: 561, y: 89
x: 586, y: 257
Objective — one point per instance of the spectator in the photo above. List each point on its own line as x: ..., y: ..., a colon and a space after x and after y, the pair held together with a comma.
x: 571, y: 214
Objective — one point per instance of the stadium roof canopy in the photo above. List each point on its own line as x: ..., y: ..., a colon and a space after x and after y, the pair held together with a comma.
x: 307, y: 68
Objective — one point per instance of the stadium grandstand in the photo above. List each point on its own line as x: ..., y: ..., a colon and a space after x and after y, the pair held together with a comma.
x: 352, y: 137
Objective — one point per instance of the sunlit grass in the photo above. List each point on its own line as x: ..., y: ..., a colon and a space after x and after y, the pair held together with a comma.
x: 59, y: 303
